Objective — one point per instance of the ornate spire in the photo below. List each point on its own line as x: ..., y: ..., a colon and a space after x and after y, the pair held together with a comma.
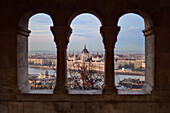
x: 85, y: 46
x: 46, y: 74
x: 85, y: 50
x: 74, y: 56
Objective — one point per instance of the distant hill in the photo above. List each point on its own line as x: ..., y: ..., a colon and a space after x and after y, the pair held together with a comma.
x: 54, y: 52
x: 78, y: 52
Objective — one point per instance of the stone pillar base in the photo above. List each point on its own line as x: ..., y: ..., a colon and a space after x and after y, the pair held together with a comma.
x: 147, y: 88
x: 24, y: 87
x: 110, y: 90
x: 161, y: 92
x: 61, y: 90
x: 9, y: 93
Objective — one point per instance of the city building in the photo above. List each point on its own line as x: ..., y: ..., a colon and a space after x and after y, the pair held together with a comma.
x: 94, y: 61
x: 85, y: 54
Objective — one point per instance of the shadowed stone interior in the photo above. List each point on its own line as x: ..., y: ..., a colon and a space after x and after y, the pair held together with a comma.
x: 15, y: 94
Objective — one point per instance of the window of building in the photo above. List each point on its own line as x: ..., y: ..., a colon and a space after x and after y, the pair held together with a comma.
x: 38, y: 62
x: 132, y: 69
x: 85, y: 56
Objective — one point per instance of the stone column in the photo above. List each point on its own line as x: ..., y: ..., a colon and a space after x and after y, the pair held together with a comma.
x: 156, y: 82
x: 109, y: 34
x: 149, y: 59
x: 61, y: 38
x: 22, y: 60
x: 8, y: 67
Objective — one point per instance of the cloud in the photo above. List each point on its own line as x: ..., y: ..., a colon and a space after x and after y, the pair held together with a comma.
x: 41, y: 19
x: 40, y: 31
x: 74, y: 37
x: 85, y: 28
x: 87, y: 35
x: 46, y: 35
x: 80, y: 38
x: 132, y: 28
x: 39, y: 26
x: 86, y: 19
x: 86, y: 31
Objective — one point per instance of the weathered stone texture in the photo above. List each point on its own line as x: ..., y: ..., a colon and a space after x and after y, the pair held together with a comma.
x: 85, y: 107
x: 15, y: 107
x: 3, y: 107
x: 14, y: 32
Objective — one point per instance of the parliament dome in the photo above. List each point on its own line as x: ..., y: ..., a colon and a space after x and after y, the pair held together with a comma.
x: 85, y: 50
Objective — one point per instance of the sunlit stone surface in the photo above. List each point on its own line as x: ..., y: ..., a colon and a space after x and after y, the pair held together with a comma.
x: 85, y: 92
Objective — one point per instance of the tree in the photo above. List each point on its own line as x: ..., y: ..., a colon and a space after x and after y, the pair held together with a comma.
x: 84, y: 76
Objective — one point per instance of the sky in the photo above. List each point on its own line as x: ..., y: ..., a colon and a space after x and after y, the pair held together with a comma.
x: 86, y: 32
x: 41, y: 38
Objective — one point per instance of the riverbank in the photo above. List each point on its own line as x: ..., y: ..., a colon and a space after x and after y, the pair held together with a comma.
x: 117, y: 72
x: 42, y: 67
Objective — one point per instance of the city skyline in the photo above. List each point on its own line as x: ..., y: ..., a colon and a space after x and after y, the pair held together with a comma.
x: 86, y: 31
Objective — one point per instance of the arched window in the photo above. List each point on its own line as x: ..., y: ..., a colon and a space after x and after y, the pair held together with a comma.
x: 133, y: 72
x: 85, y: 56
x: 37, y: 56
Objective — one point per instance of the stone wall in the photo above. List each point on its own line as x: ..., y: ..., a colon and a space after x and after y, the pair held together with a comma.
x: 14, y: 17
x: 83, y: 107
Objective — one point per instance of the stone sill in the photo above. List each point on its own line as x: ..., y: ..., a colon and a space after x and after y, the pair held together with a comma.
x: 50, y: 91
x: 88, y: 92
x: 85, y: 92
x: 41, y: 91
x: 132, y: 92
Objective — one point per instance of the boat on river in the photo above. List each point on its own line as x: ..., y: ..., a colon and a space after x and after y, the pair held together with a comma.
x: 131, y: 84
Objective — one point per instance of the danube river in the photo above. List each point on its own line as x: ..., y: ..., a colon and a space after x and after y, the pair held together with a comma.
x: 53, y: 72
x: 38, y: 70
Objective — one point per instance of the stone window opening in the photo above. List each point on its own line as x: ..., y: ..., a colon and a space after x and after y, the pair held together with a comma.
x: 149, y: 59
x: 38, y: 44
x: 85, y: 56
x: 61, y: 38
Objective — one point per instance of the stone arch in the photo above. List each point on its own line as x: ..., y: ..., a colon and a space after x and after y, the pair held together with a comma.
x: 147, y: 18
x: 90, y: 15
x: 22, y: 50
x: 76, y: 13
x: 24, y: 19
x: 149, y: 48
x: 85, y: 56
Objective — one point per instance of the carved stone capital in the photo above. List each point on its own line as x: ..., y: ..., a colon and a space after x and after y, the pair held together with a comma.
x: 147, y: 87
x: 24, y: 32
x: 61, y: 35
x: 148, y: 31
x: 109, y: 34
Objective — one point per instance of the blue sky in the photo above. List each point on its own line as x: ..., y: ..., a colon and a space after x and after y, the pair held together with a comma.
x: 41, y: 38
x: 86, y: 31
x: 130, y: 37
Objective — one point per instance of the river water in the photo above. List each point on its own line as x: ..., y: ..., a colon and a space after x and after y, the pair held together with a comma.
x: 38, y: 70
x: 53, y: 72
